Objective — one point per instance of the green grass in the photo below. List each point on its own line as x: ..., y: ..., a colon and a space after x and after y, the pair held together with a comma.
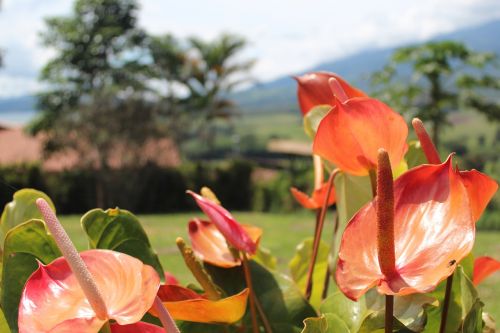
x: 282, y: 232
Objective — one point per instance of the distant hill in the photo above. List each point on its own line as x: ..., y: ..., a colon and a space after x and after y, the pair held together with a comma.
x: 15, y: 104
x: 279, y: 94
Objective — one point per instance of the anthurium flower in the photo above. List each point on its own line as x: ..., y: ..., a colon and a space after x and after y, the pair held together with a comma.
x: 484, y: 267
x: 53, y: 300
x: 185, y: 304
x: 139, y: 327
x: 210, y: 245
x: 317, y: 199
x: 319, y: 88
x: 232, y: 231
x: 434, y: 228
x: 350, y: 135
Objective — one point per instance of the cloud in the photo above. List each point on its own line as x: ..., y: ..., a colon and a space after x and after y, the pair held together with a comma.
x: 285, y: 37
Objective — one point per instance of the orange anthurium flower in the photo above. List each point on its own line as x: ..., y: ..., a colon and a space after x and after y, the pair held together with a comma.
x: 317, y: 199
x: 185, y: 304
x: 434, y: 228
x: 319, y: 88
x: 227, y: 225
x: 484, y: 267
x: 350, y: 135
x: 53, y: 301
x: 210, y: 245
x: 139, y: 327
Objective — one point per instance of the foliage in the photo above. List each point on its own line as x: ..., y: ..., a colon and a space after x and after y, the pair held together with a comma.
x: 444, y: 76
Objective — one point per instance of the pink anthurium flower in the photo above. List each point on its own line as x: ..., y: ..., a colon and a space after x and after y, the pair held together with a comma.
x: 435, y: 210
x: 319, y: 88
x: 53, y: 300
x: 232, y: 231
x: 316, y: 200
x: 184, y: 304
x: 210, y: 245
x: 484, y: 267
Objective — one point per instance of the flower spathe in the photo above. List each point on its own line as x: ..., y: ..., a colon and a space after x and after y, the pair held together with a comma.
x: 319, y: 88
x: 232, y: 231
x: 484, y: 267
x: 139, y: 327
x: 434, y: 228
x: 351, y: 134
x: 210, y: 246
x: 184, y: 304
x: 317, y: 199
x: 53, y: 301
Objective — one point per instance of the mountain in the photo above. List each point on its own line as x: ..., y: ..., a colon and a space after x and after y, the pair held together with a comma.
x: 17, y: 104
x: 280, y: 94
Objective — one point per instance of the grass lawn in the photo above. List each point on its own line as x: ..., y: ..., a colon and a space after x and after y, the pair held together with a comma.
x: 282, y: 232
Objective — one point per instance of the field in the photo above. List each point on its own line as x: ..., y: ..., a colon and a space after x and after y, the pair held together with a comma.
x: 282, y: 232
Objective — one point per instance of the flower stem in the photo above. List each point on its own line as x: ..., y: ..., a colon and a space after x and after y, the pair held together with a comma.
x: 446, y: 304
x: 389, y: 310
x: 75, y: 262
x: 248, y: 279
x: 317, y: 236
x: 326, y: 283
x: 166, y: 319
x: 197, y: 270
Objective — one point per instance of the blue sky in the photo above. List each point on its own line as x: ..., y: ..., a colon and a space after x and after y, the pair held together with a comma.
x: 285, y: 36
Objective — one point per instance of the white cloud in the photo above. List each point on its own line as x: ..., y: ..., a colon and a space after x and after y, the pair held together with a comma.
x: 284, y: 36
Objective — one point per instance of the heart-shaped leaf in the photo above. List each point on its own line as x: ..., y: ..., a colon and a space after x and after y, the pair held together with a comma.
x: 462, y: 301
x: 119, y: 230
x: 24, y: 245
x: 299, y: 266
x: 21, y: 209
x: 282, y: 302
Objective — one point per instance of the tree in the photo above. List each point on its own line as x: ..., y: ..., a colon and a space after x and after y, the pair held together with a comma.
x: 204, y: 73
x: 444, y: 76
x: 95, y: 102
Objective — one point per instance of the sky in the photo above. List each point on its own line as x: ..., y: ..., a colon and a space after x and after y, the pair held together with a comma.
x: 284, y: 36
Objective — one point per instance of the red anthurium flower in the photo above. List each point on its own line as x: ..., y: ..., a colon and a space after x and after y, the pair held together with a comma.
x: 227, y: 225
x: 350, y: 135
x: 317, y: 199
x: 319, y: 88
x: 484, y: 267
x: 185, y: 304
x: 434, y: 228
x: 139, y: 327
x: 53, y: 301
x: 170, y: 278
x: 211, y: 246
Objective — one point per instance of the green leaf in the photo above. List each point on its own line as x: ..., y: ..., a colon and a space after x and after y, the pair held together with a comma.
x: 21, y: 209
x: 473, y: 322
x: 327, y: 323
x: 24, y: 245
x: 415, y: 156
x: 282, y: 302
x: 119, y: 230
x: 299, y: 265
x: 314, y: 117
x: 352, y: 193
x: 463, y: 298
x: 368, y: 312
x: 265, y: 258
x: 4, y: 327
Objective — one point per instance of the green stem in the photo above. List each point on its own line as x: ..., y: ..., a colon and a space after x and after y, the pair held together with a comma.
x: 389, y: 310
x: 106, y: 328
x: 251, y: 299
x: 446, y: 304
